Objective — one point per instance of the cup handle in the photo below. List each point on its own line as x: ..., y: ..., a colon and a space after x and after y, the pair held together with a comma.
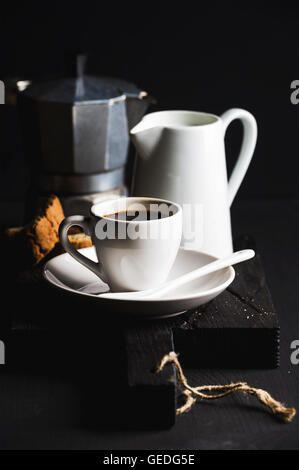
x: 85, y: 224
x: 247, y: 148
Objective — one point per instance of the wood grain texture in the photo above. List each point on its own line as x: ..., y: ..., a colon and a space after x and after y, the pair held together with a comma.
x: 238, y: 329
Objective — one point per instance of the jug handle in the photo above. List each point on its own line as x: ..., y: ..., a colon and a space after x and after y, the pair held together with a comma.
x: 247, y: 148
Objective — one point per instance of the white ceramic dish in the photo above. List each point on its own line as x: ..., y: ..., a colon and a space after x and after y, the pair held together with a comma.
x: 65, y: 273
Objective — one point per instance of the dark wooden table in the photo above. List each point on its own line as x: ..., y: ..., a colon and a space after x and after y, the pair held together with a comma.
x: 39, y: 409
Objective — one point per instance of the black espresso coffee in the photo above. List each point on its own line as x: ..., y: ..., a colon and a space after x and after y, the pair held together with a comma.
x: 138, y: 215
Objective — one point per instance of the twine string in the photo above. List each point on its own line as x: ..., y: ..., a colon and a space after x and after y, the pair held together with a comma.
x: 191, y: 393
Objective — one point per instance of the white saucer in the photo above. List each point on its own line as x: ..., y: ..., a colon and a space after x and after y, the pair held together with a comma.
x: 67, y: 274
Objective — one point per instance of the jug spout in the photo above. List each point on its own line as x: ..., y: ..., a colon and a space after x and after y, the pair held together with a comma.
x: 145, y: 137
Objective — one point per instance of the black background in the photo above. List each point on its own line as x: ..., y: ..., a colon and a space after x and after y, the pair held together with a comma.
x: 207, y: 56
x: 204, y: 56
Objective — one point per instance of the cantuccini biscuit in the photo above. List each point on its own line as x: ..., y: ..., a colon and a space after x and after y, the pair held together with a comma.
x: 36, y: 240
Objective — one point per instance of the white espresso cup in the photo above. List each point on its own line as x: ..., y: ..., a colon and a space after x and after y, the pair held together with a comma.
x: 136, y: 241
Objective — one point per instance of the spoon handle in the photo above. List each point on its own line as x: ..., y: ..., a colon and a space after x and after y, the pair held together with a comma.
x: 209, y: 268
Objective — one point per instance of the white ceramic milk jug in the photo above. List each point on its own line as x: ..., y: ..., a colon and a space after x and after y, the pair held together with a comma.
x: 182, y: 159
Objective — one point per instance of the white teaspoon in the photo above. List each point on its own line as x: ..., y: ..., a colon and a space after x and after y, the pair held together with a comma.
x: 209, y: 268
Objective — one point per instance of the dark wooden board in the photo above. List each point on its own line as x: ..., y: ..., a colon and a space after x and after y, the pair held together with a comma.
x: 153, y: 395
x: 238, y: 329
